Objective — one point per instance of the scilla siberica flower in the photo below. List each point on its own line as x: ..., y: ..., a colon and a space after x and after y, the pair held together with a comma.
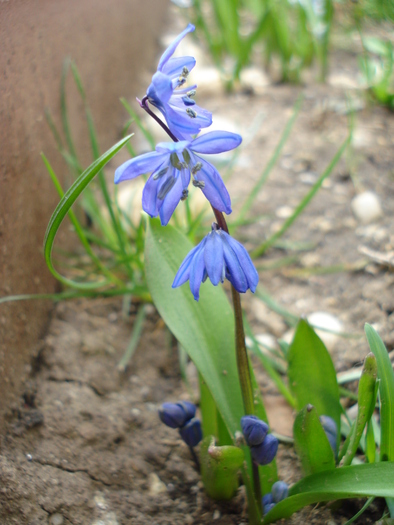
x: 172, y: 165
x: 218, y: 256
x: 183, y: 116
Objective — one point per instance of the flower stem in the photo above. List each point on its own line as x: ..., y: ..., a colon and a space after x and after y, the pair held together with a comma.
x: 242, y: 360
x: 144, y: 104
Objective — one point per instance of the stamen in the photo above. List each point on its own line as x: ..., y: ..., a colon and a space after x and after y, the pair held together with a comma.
x: 191, y: 113
x: 196, y: 168
x: 188, y: 101
x: 198, y: 184
x: 185, y: 72
x: 191, y: 93
x: 175, y: 161
x: 166, y: 188
x: 185, y: 194
x: 186, y: 156
x: 160, y: 173
x: 181, y: 81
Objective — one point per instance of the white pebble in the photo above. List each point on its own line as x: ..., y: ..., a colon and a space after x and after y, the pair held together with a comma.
x: 366, y: 207
x: 156, y: 486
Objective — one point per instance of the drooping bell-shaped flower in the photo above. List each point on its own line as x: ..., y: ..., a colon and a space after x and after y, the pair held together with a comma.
x: 191, y: 433
x: 254, y: 430
x: 167, y: 94
x: 217, y: 256
x: 172, y: 166
x: 266, y: 451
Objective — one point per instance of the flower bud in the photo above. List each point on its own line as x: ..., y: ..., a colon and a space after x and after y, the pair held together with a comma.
x: 267, y: 508
x: 267, y: 499
x: 330, y: 428
x: 254, y: 430
x: 280, y: 491
x: 191, y: 433
x: 176, y: 415
x: 266, y: 451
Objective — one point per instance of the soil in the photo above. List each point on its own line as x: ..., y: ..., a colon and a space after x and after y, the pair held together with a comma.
x: 85, y: 445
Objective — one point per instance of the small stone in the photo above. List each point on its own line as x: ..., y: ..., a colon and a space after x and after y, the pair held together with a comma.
x: 366, y: 207
x: 216, y: 515
x: 284, y: 212
x: 331, y: 327
x: 56, y: 519
x: 155, y: 485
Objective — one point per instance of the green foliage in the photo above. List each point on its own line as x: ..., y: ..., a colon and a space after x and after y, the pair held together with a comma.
x: 312, y: 377
x: 290, y: 33
x: 220, y: 467
x: 311, y: 443
x: 356, y: 481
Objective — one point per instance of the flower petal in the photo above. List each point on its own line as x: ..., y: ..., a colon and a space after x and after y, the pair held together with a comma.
x: 183, y: 273
x: 170, y: 202
x: 216, y: 142
x: 149, y: 197
x: 197, y: 272
x: 213, y: 258
x: 138, y: 165
x: 160, y: 90
x: 171, y: 48
x: 214, y: 190
x: 174, y: 67
x: 245, y: 262
x: 234, y: 272
x: 172, y: 147
x: 181, y: 124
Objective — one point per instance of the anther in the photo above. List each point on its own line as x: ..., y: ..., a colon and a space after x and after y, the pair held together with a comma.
x: 196, y: 168
x: 185, y: 194
x: 198, y: 184
x: 191, y: 113
x: 191, y: 93
x: 185, y: 72
x: 188, y: 101
x: 160, y: 173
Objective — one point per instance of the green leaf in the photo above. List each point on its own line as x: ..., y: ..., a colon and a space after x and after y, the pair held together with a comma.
x: 366, y: 403
x: 386, y: 390
x: 356, y: 481
x: 220, y: 467
x: 311, y: 443
x: 312, y: 377
x: 63, y: 208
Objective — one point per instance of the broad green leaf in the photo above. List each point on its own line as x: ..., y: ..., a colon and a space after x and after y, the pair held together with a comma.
x: 311, y: 443
x: 386, y: 389
x: 205, y: 329
x: 312, y: 377
x: 356, y: 481
x: 220, y: 467
x: 366, y: 403
x: 63, y: 208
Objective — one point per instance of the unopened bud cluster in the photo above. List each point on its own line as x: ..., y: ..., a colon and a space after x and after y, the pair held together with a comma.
x: 279, y: 492
x: 263, y: 446
x: 182, y: 416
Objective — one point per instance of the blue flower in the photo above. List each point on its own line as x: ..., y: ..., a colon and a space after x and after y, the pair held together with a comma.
x: 330, y: 428
x: 191, y: 433
x: 254, y: 430
x: 266, y: 451
x: 183, y: 116
x: 172, y: 165
x: 217, y: 256
x: 280, y: 491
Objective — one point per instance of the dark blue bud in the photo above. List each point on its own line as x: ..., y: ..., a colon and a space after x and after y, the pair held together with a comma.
x: 267, y: 508
x: 266, y: 451
x: 191, y: 433
x: 254, y: 430
x: 330, y: 428
x: 176, y: 415
x: 267, y: 499
x: 280, y: 491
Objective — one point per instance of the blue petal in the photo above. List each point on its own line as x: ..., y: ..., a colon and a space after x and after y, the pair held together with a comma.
x: 174, y: 67
x: 149, y: 197
x: 184, y: 270
x: 213, y: 258
x: 235, y: 273
x: 139, y: 165
x: 245, y: 262
x: 197, y: 272
x: 214, y: 190
x: 172, y: 147
x: 170, y: 202
x: 181, y: 124
x: 216, y: 142
x: 171, y: 48
x: 160, y: 90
